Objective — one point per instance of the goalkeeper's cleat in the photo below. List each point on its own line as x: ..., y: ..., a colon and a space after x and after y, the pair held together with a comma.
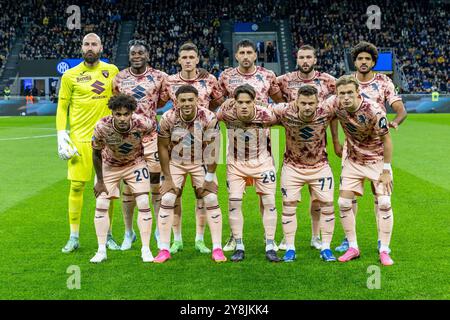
x: 327, y: 255
x: 176, y: 246
x: 386, y: 259
x: 282, y: 246
x: 238, y: 256
x: 71, y: 245
x: 289, y: 256
x: 351, y: 254
x: 316, y: 243
x: 99, y: 257
x: 128, y: 240
x: 343, y: 247
x: 200, y: 246
x: 162, y: 256
x: 230, y: 245
x: 146, y: 255
x: 111, y: 244
x: 218, y: 256
x: 271, y: 255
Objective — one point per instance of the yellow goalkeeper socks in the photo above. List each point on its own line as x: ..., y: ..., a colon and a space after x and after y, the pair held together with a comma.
x: 75, y: 205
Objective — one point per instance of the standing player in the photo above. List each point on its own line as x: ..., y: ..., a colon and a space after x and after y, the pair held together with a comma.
x: 369, y: 155
x: 378, y: 88
x: 86, y: 88
x: 144, y: 84
x: 119, y: 155
x: 263, y: 81
x: 188, y: 143
x: 326, y: 85
x: 249, y: 156
x: 306, y: 162
x: 209, y: 96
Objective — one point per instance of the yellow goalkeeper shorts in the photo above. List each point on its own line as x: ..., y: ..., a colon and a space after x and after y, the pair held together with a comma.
x: 80, y: 167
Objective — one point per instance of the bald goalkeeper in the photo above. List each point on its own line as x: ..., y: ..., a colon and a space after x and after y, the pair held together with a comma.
x: 83, y: 96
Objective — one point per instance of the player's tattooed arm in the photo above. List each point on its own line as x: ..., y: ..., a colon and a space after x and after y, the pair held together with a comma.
x: 334, y: 127
x: 386, y: 175
x: 99, y: 187
x: 400, y: 110
x: 164, y: 159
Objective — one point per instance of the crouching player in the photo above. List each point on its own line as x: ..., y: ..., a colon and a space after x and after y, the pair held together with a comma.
x: 118, y: 155
x: 188, y: 143
x: 306, y: 162
x: 249, y: 156
x: 369, y: 155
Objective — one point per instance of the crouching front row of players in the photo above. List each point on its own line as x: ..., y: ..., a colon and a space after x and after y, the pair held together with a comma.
x: 188, y: 143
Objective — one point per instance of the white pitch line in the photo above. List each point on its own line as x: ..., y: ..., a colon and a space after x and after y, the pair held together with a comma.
x: 31, y: 128
x: 31, y: 137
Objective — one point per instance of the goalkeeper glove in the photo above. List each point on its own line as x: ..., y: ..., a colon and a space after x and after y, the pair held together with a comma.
x: 66, y: 148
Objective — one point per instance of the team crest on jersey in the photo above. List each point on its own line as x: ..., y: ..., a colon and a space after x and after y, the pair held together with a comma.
x: 105, y: 73
x: 259, y: 77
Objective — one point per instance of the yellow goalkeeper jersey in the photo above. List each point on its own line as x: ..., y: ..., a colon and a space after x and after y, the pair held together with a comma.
x: 86, y: 91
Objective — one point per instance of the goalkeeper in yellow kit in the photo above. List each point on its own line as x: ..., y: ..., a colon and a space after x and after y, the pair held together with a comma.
x: 86, y: 89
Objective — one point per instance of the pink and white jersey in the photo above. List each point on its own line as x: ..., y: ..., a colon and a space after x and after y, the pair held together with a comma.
x: 262, y: 80
x: 380, y: 90
x: 208, y: 89
x: 290, y: 83
x: 247, y: 141
x: 188, y: 140
x: 305, y: 140
x: 145, y: 88
x: 363, y: 130
x: 122, y: 148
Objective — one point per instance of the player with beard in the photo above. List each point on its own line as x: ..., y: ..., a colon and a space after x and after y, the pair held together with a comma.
x: 209, y: 96
x: 86, y: 88
x: 263, y: 81
x: 326, y: 85
x: 378, y: 88
x: 144, y: 84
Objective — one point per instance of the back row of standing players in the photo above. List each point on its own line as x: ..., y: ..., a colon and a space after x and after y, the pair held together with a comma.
x: 152, y: 89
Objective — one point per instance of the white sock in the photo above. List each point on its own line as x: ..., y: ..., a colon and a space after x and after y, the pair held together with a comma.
x: 75, y: 234
x: 384, y: 248
x: 240, y: 245
x: 290, y: 247
x: 217, y: 246
x: 325, y: 246
x: 164, y: 246
x: 352, y: 244
x: 315, y: 238
x: 145, y: 248
x: 269, y: 247
x: 102, y: 248
x: 199, y: 237
x: 177, y: 237
x: 129, y: 233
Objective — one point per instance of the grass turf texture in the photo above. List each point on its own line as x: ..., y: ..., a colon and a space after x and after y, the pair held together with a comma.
x: 34, y: 228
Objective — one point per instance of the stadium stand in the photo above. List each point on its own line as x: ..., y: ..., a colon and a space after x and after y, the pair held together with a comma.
x: 418, y: 31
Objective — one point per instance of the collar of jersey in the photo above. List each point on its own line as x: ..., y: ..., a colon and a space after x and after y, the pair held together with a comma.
x: 138, y: 75
x: 189, y: 80
x: 307, y: 80
x: 247, y: 74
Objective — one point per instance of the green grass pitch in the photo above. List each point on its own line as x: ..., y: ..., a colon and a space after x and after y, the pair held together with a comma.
x: 34, y: 227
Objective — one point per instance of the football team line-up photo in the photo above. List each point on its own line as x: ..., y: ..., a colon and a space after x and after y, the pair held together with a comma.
x: 224, y: 150
x: 115, y: 131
